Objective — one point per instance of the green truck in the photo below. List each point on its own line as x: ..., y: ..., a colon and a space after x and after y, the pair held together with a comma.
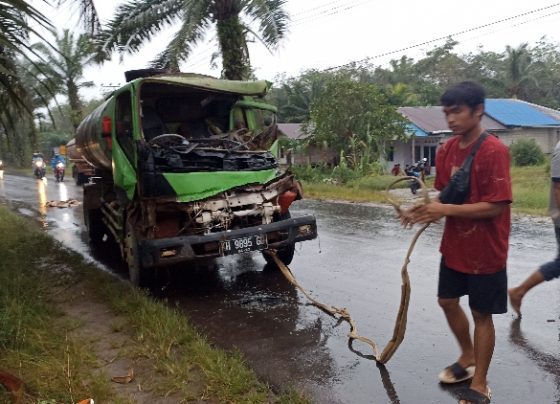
x: 184, y: 169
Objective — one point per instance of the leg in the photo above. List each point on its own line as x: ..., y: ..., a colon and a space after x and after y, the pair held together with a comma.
x: 459, y: 325
x: 484, y: 340
x: 516, y: 294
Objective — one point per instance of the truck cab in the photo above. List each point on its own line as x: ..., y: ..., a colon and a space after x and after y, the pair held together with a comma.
x: 186, y: 169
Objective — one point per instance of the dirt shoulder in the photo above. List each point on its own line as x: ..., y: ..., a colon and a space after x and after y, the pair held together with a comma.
x: 73, y: 332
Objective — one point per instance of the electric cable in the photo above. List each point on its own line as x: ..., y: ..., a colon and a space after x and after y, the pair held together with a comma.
x: 367, y: 59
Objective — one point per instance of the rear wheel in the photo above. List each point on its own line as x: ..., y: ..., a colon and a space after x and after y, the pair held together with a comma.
x: 94, y: 224
x: 286, y: 254
x: 137, y: 274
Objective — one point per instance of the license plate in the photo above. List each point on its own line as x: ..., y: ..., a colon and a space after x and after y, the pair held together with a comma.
x: 244, y: 244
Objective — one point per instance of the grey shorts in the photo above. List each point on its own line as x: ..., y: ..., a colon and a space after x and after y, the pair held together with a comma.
x: 551, y: 269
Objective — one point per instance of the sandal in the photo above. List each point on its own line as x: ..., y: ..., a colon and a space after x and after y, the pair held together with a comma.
x: 456, y: 373
x: 474, y: 397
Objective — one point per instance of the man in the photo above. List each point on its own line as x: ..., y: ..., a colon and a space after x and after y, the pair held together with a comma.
x: 56, y: 158
x: 475, y: 239
x: 550, y: 270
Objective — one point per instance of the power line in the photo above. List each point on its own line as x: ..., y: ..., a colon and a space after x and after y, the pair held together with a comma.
x: 442, y: 37
x: 327, y: 12
x: 201, y: 57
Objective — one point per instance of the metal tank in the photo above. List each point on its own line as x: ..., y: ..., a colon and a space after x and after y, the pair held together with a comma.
x: 93, y: 139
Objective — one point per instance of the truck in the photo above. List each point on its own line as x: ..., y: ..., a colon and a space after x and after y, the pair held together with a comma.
x: 185, y: 169
x: 81, y: 169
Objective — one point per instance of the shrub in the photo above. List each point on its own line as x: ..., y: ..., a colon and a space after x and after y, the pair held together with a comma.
x: 526, y: 152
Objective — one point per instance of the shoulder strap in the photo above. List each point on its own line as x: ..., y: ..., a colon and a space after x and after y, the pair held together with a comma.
x: 479, y: 141
x: 466, y: 166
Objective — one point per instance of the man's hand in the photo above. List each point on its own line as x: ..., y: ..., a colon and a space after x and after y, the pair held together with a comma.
x: 409, y: 217
x: 427, y: 213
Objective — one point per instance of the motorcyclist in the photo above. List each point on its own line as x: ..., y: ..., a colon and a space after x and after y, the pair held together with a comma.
x: 35, y: 157
x: 58, y: 164
x: 38, y: 165
x: 57, y: 158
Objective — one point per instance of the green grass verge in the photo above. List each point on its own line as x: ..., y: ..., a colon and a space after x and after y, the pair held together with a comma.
x: 530, y: 189
x: 36, y: 343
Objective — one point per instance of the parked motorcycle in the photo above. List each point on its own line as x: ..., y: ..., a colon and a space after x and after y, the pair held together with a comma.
x: 414, y: 184
x: 59, y: 171
x: 39, y: 169
x: 414, y: 171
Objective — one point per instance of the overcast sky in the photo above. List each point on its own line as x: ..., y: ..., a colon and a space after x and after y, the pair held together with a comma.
x: 329, y: 33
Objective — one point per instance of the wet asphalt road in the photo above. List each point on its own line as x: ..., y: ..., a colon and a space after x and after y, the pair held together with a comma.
x: 356, y: 264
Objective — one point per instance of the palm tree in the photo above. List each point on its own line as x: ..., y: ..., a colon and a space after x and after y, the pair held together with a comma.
x: 137, y: 21
x: 64, y: 67
x: 18, y: 19
x: 518, y: 69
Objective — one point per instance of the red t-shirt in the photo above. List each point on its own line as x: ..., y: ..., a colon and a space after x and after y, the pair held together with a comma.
x: 477, y: 246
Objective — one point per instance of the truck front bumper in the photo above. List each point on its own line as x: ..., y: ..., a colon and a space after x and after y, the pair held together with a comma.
x: 175, y: 250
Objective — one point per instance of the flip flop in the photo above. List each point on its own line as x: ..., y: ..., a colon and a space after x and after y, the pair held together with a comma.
x: 475, y: 397
x: 456, y: 373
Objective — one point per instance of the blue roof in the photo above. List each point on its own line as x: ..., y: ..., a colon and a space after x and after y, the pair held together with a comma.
x: 511, y: 112
x: 415, y: 130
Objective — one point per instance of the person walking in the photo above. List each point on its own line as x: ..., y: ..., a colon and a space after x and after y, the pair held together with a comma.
x: 474, y: 244
x: 550, y: 270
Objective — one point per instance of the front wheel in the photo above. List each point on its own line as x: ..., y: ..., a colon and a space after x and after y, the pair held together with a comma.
x: 286, y: 254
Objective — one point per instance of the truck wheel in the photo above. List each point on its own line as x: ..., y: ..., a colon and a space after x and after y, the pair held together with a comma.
x: 80, y: 179
x: 136, y: 272
x: 285, y: 254
x: 94, y: 225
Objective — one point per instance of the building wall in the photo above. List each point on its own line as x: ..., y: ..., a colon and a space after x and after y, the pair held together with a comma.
x: 415, y: 149
x: 546, y: 138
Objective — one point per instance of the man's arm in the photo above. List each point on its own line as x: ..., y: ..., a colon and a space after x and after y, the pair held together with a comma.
x: 435, y: 210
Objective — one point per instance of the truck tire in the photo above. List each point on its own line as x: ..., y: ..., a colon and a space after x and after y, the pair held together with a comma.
x: 137, y: 274
x: 94, y: 224
x: 285, y: 254
x: 81, y: 179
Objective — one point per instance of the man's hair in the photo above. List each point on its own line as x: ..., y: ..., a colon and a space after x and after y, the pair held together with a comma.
x: 466, y: 92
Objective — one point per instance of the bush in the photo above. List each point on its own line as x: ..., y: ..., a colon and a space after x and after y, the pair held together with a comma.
x: 526, y: 152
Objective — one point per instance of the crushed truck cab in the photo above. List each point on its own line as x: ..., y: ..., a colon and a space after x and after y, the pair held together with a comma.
x: 185, y: 168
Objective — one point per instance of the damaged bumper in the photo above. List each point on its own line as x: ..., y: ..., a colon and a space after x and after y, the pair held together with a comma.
x: 174, y: 250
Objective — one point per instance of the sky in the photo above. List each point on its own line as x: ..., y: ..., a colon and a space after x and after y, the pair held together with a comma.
x: 330, y: 33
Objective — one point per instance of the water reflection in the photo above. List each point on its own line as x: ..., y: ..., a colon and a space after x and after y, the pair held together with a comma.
x: 548, y: 363
x: 62, y: 192
x: 42, y: 193
x: 259, y: 308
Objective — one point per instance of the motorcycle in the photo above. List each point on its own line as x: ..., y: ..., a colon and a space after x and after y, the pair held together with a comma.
x: 414, y: 184
x: 40, y: 169
x: 59, y: 171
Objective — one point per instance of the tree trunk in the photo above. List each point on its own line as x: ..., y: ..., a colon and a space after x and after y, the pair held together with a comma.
x: 75, y: 103
x: 233, y: 46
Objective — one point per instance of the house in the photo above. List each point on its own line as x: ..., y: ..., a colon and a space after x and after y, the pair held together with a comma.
x: 509, y: 119
x: 311, y: 154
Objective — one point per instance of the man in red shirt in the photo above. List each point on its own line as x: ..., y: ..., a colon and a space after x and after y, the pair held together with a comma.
x: 474, y: 245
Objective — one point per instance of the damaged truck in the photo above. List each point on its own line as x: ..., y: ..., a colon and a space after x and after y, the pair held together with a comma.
x: 184, y: 169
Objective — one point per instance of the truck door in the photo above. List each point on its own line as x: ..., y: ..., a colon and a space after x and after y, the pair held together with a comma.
x: 124, y: 154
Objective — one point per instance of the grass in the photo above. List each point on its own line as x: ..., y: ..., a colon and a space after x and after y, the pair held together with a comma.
x: 37, y: 344
x: 30, y: 346
x: 530, y: 186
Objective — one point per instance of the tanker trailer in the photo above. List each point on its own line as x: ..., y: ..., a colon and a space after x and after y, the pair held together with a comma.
x: 185, y: 170
x: 81, y: 169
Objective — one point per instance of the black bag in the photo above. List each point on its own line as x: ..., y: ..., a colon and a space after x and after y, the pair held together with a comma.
x: 458, y: 188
